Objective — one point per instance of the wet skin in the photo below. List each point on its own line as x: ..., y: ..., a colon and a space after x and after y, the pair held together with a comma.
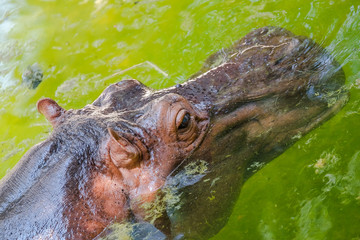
x: 103, y: 162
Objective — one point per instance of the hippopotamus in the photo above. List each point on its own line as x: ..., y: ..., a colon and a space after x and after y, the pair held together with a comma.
x: 102, y: 163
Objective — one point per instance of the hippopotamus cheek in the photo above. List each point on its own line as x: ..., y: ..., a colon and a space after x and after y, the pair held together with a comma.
x: 109, y: 196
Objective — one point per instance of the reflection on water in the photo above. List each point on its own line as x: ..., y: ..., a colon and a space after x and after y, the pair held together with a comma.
x: 7, y: 47
x: 309, y: 192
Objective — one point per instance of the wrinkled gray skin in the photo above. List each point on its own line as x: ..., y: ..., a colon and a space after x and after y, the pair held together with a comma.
x: 254, y: 97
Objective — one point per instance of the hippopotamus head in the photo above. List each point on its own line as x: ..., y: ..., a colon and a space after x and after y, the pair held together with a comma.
x: 104, y: 162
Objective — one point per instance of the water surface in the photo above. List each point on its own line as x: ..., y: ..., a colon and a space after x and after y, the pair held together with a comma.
x: 312, y: 191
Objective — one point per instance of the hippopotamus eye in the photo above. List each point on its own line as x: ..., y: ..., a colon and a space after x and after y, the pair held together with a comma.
x: 185, y: 121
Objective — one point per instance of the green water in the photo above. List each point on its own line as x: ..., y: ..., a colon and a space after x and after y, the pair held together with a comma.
x: 312, y: 191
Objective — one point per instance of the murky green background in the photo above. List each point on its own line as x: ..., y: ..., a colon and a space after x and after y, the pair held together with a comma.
x: 312, y: 191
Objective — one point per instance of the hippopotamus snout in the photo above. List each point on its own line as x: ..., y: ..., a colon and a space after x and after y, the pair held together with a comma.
x: 262, y: 94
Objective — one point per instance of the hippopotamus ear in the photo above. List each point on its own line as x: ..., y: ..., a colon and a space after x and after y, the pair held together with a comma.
x: 51, y: 110
x: 123, y: 153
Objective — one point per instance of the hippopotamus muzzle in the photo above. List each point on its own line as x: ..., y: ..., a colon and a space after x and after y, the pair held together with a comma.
x: 103, y: 163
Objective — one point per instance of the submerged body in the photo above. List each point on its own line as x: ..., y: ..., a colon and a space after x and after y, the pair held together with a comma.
x: 103, y: 163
